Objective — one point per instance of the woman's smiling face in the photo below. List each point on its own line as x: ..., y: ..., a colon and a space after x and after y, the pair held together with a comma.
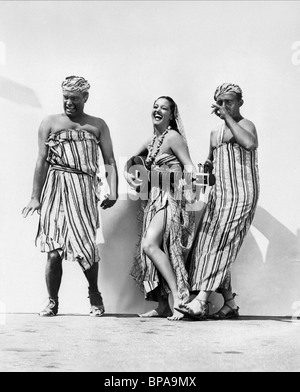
x: 161, y: 113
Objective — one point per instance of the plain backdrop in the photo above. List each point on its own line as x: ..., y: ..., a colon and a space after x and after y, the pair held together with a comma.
x: 132, y: 52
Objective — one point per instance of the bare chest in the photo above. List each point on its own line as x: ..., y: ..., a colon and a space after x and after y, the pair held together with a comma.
x: 222, y: 136
x: 65, y: 123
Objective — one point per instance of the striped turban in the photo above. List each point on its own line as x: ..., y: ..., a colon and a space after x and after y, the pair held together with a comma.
x: 75, y: 83
x: 226, y: 88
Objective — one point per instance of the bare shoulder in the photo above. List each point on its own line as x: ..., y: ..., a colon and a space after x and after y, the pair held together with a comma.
x: 174, y: 136
x: 96, y: 125
x: 102, y: 125
x: 215, y: 130
x: 249, y: 125
x: 101, y: 128
x: 48, y: 123
x: 51, y: 119
x: 214, y: 135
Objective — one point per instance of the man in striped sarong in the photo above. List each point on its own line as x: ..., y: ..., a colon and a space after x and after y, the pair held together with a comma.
x: 230, y: 208
x: 66, y: 191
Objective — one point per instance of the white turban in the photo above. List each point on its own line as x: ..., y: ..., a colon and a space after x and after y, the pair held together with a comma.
x: 226, y: 88
x: 75, y: 83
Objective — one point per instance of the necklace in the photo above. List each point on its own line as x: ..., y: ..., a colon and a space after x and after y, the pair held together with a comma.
x: 153, y: 154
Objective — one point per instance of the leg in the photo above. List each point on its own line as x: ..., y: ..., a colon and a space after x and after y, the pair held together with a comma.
x: 92, y: 277
x: 230, y: 310
x: 97, y: 307
x: 163, y: 309
x: 54, y: 273
x: 152, y: 247
x: 53, y: 281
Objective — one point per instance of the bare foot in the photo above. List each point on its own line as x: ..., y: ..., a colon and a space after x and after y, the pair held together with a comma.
x: 194, y: 307
x: 176, y: 316
x: 152, y: 313
x: 156, y: 313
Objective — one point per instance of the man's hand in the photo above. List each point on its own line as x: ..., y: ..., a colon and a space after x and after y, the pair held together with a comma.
x: 108, y: 203
x: 220, y: 111
x: 33, y: 205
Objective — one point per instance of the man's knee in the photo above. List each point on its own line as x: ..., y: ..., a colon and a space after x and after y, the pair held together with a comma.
x: 54, y: 258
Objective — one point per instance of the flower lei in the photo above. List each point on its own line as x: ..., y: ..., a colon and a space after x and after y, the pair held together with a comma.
x: 151, y: 156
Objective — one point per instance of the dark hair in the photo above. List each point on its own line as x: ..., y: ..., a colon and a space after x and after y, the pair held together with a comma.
x: 173, y: 107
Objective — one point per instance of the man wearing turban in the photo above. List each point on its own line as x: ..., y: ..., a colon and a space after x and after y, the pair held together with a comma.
x: 66, y: 190
x: 230, y: 208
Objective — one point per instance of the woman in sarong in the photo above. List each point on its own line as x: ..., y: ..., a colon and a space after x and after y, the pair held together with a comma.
x: 230, y: 209
x: 167, y: 220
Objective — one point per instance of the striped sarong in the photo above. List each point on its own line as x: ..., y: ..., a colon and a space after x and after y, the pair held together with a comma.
x: 179, y: 224
x: 229, y: 213
x: 69, y: 213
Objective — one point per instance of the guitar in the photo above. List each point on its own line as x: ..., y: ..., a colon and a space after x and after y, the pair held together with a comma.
x: 136, y: 165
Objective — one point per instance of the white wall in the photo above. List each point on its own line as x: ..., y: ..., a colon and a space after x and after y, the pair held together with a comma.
x: 132, y: 52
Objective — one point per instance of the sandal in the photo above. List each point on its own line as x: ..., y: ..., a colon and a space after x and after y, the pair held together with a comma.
x: 233, y: 314
x: 97, y: 306
x: 51, y: 309
x: 203, y: 315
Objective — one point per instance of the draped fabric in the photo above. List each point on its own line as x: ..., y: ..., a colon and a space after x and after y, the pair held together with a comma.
x: 69, y: 215
x: 229, y: 212
x: 179, y: 224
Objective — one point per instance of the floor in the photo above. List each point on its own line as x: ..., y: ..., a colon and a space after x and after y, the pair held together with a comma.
x: 127, y: 343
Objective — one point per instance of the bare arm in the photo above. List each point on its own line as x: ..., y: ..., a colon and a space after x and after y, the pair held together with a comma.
x: 243, y: 131
x: 129, y: 177
x: 180, y: 149
x: 106, y: 147
x: 41, y: 170
x: 208, y: 165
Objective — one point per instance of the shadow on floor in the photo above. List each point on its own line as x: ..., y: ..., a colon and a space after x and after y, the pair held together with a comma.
x: 285, y: 319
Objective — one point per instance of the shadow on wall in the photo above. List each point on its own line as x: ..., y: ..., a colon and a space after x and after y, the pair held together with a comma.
x: 266, y: 274
x: 18, y: 93
x: 120, y: 231
x: 267, y: 277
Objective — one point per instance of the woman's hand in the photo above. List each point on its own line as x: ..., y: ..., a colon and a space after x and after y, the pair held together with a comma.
x: 132, y: 180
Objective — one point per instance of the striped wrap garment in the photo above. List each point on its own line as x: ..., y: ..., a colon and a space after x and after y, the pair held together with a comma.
x: 229, y: 213
x: 69, y: 214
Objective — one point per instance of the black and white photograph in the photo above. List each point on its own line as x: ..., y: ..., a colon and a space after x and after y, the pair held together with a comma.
x: 150, y: 189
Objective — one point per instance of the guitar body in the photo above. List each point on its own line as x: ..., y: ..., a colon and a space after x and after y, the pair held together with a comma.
x: 136, y: 166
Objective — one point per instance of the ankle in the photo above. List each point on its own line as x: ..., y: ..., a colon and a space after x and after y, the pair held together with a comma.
x: 203, y: 296
x: 93, y: 290
x: 230, y: 303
